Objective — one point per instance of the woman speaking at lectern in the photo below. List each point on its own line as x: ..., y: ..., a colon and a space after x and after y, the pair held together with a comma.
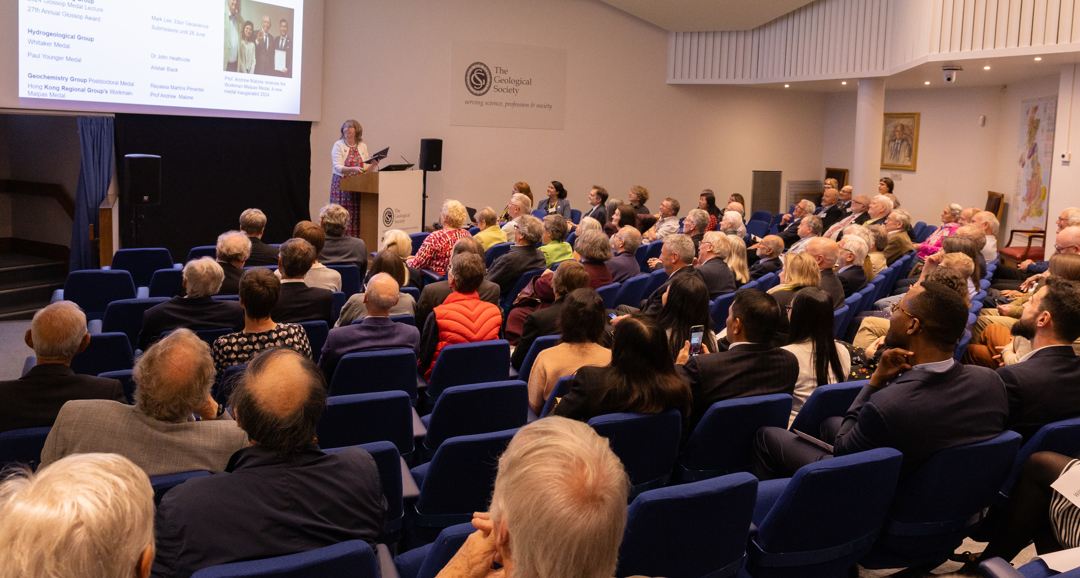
x: 348, y: 156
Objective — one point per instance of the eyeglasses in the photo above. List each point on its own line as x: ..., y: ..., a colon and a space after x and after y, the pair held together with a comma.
x: 1059, y: 248
x: 897, y: 306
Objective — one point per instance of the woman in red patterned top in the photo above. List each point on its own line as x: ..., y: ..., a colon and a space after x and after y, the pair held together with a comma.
x: 434, y: 253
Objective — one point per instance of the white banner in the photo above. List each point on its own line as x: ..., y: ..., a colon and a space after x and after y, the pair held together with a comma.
x: 400, y: 200
x: 507, y: 85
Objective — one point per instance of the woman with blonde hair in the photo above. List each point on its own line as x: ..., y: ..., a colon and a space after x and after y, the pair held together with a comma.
x: 399, y: 243
x: 800, y: 271
x: 434, y: 253
x: 736, y: 259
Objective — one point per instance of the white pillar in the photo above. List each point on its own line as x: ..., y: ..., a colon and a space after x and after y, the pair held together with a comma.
x: 866, y: 166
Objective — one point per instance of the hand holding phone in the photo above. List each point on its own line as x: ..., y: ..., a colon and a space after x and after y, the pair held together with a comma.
x: 696, y: 333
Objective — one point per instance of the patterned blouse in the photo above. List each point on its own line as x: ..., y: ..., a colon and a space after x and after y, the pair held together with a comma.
x: 933, y: 242
x: 435, y: 252
x: 240, y: 347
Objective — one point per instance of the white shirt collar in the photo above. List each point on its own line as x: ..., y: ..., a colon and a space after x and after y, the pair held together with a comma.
x: 937, y: 366
x: 292, y: 280
x: 845, y: 268
x: 738, y: 343
x: 1032, y: 352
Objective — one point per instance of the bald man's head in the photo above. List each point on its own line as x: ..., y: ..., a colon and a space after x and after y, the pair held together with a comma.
x: 279, y: 400
x: 824, y: 251
x: 1068, y: 240
x: 381, y: 295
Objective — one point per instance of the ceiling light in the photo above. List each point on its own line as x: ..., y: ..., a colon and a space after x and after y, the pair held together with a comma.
x: 844, y: 82
x: 1038, y: 58
x: 786, y: 85
x: 927, y: 82
x: 986, y: 68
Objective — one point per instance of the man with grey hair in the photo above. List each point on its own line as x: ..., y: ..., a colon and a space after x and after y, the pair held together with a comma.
x: 57, y: 334
x: 298, y: 302
x: 830, y: 212
x: 789, y: 223
x: 809, y: 228
x: 694, y: 226
x: 852, y: 276
x: 897, y: 226
x: 879, y: 210
x: 522, y: 257
x: 558, y: 509
x: 462, y: 317
x: 376, y: 332
x: 159, y: 433
x: 85, y: 516
x: 253, y: 224
x: 490, y: 233
x: 519, y: 206
x: 233, y: 251
x: 711, y: 265
x: 624, y: 265
x: 667, y: 221
x: 676, y: 258
x: 824, y: 252
x: 989, y: 224
x: 197, y: 309
x: 339, y: 248
x: 768, y: 252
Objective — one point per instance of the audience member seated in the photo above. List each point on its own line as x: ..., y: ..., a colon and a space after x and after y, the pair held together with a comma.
x: 825, y: 252
x: 434, y: 252
x: 852, y: 276
x: 830, y: 212
x: 711, y: 266
x: 768, y: 253
x: 694, y: 226
x: 387, y: 262
x: 1010, y: 278
x: 298, y: 301
x: 667, y: 221
x: 919, y: 401
x: 676, y: 258
x: 519, y: 206
x: 822, y: 359
x: 159, y: 433
x: 582, y: 323
x: 376, y: 332
x: 253, y: 223
x: 555, y: 248
x: 519, y: 188
x: 989, y: 224
x: 799, y: 272
x: 85, y: 516
x: 462, y: 317
x: 686, y: 305
x: 400, y: 244
x: 319, y: 275
x: 1039, y: 384
x: 853, y: 213
x: 736, y: 204
x: 789, y: 223
x: 868, y: 241
x: 639, y: 379
x: 877, y: 255
x: 588, y: 224
x: 434, y: 294
x: 558, y: 510
x: 950, y: 221
x: 525, y: 323
x: 878, y: 211
x: 736, y: 260
x: 622, y: 215
x: 845, y: 199
x: 339, y: 248
x: 732, y: 224
x: 522, y: 257
x: 233, y: 251
x: 809, y: 229
x: 259, y: 293
x: 638, y: 196
x: 556, y: 203
x: 598, y: 197
x: 624, y: 265
x: 750, y: 366
x: 974, y: 234
x: 490, y: 232
x: 57, y: 334
x: 897, y: 226
x: 707, y: 203
x: 196, y: 310
x: 594, y: 250
x: 279, y: 495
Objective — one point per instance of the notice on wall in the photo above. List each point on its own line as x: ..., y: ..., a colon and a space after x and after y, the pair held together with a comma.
x: 507, y: 85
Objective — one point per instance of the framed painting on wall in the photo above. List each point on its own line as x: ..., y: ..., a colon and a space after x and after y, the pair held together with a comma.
x: 900, y: 141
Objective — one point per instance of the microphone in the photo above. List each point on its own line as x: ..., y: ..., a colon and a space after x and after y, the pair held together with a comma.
x: 407, y: 162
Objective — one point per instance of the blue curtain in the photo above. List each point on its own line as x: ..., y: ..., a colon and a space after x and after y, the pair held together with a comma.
x: 96, y: 141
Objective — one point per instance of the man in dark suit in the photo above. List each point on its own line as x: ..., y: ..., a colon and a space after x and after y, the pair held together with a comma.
x: 830, y: 212
x: 597, y: 198
x: 253, y: 223
x: 298, y: 302
x: 522, y: 257
x: 860, y: 207
x: 768, y: 252
x: 265, y: 44
x: 919, y: 401
x: 1041, y: 386
x: 694, y: 226
x: 196, y: 310
x: 376, y: 332
x: 851, y: 274
x: 825, y: 251
x: 717, y: 275
x: 749, y: 367
x: 625, y: 265
x: 434, y: 294
x: 281, y: 494
x: 57, y: 334
x: 571, y: 275
x: 676, y: 257
x: 233, y: 250
x: 789, y: 224
x: 284, y: 44
x: 845, y: 200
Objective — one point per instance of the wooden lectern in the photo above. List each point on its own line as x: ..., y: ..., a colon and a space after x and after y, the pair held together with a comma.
x: 367, y: 185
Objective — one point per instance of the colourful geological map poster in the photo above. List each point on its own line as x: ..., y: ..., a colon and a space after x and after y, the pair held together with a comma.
x: 1035, y: 159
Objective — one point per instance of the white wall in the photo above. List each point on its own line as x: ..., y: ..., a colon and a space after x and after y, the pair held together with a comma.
x: 1065, y: 177
x: 43, y: 149
x: 958, y: 160
x: 624, y: 124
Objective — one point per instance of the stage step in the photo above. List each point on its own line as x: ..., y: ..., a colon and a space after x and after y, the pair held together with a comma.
x: 27, y: 283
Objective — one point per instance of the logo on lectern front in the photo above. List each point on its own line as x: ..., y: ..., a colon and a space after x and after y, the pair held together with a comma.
x: 478, y: 78
x: 388, y: 217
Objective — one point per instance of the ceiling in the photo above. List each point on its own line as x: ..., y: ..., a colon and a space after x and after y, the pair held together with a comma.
x: 707, y: 15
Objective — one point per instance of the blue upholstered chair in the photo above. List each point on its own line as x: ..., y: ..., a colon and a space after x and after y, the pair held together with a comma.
x: 723, y: 440
x: 166, y: 283
x: 763, y: 216
x: 538, y: 345
x: 372, y: 371
x: 162, y: 484
x: 647, y: 445
x: 417, y: 240
x: 826, y: 401
x: 495, y: 251
x: 125, y: 316
x: 632, y: 291
x: 317, y: 332
x: 201, y: 251
x: 608, y: 293
x: 562, y: 387
x: 124, y: 376
x: 718, y: 309
x: 22, y: 446
x: 106, y: 352
x: 428, y: 560
x: 390, y: 466
x: 93, y: 290
x: 362, y: 418
x: 350, y: 279
x: 352, y: 559
x: 656, y: 279
x: 475, y: 409
x: 507, y: 302
x: 141, y: 263
x: 465, y: 363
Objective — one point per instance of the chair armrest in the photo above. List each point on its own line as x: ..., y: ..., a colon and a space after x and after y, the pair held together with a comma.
x: 999, y: 568
x: 409, y: 489
x: 93, y: 327
x: 179, y: 266
x: 418, y: 429
x: 768, y: 493
x: 106, y: 268
x: 386, y: 562
x: 1030, y: 233
x: 142, y: 292
x: 57, y: 295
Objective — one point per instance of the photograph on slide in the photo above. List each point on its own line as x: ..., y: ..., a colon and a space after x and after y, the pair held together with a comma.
x: 258, y: 38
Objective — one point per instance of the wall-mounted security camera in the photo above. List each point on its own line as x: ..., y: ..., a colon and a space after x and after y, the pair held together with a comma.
x: 949, y: 72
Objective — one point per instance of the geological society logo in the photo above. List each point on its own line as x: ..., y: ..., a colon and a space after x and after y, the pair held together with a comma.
x: 388, y: 217
x: 478, y: 78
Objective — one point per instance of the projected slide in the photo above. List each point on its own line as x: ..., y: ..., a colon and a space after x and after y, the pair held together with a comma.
x: 237, y: 55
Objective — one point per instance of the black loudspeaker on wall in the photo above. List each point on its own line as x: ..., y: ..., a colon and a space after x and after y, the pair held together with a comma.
x: 431, y: 154
x: 142, y: 180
